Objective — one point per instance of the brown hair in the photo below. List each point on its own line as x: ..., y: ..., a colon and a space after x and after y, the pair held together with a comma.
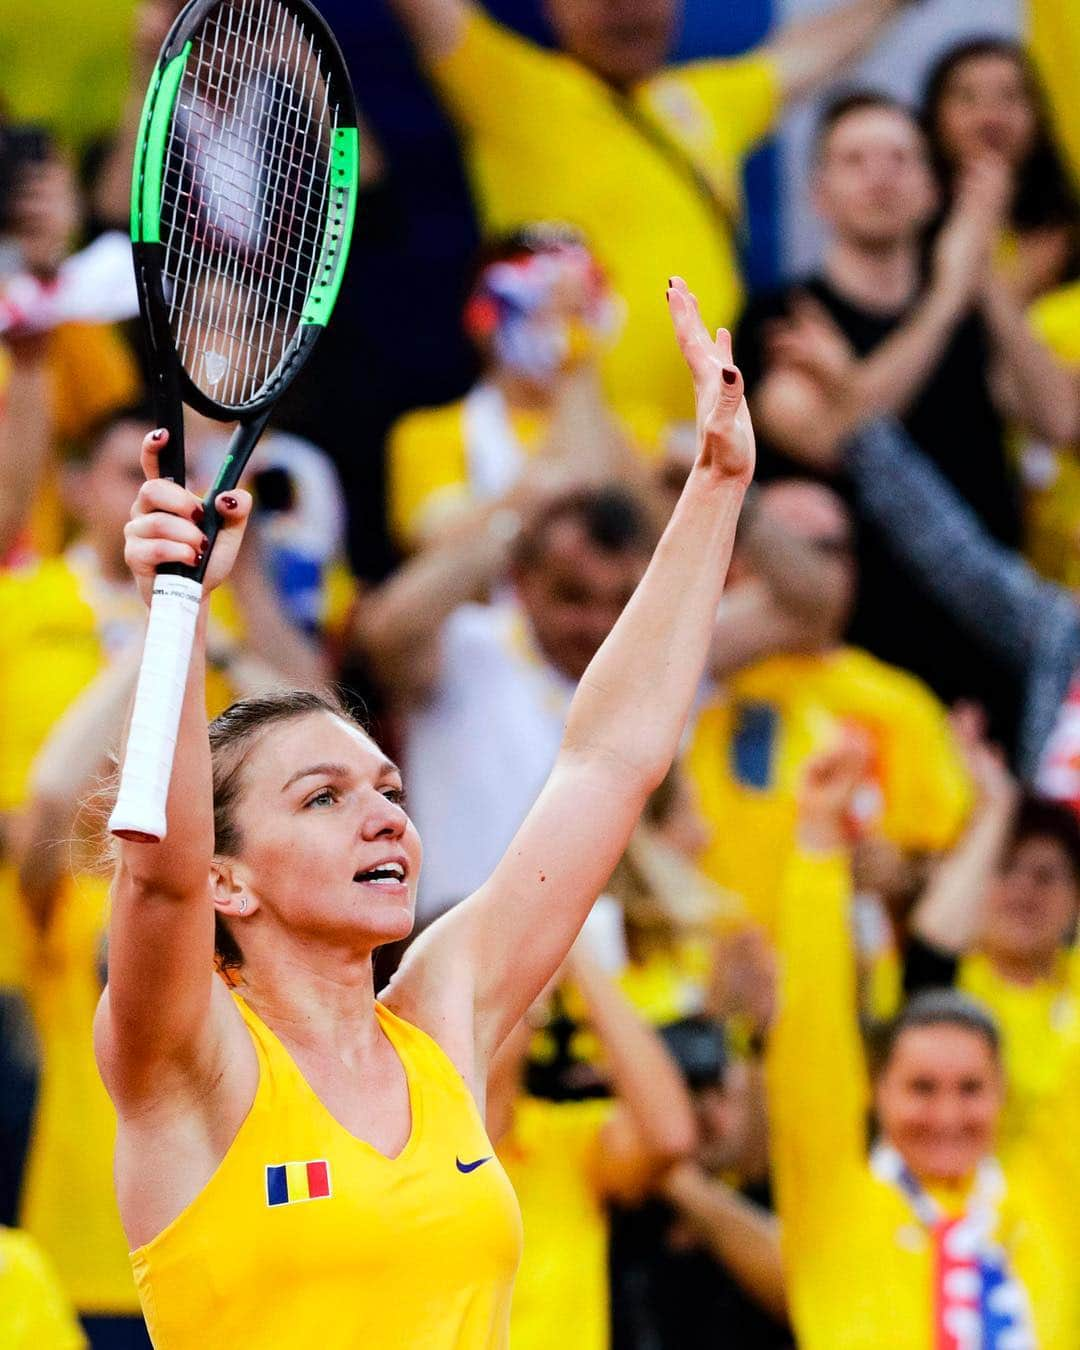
x: 934, y: 1008
x: 613, y: 519
x: 232, y: 735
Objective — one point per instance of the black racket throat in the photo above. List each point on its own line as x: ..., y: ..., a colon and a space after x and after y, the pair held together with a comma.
x: 241, y: 446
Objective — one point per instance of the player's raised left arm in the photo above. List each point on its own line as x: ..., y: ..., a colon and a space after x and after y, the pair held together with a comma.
x: 624, y: 722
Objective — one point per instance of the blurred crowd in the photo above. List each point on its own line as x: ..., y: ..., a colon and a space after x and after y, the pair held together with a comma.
x: 826, y: 1017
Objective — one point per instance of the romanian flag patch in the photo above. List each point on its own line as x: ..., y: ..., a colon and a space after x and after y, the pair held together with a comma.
x: 289, y: 1183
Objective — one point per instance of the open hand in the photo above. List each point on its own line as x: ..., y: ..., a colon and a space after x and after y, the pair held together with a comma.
x: 165, y: 525
x: 964, y: 250
x: 833, y: 776
x: 810, y: 341
x: 725, y: 432
x: 986, y: 762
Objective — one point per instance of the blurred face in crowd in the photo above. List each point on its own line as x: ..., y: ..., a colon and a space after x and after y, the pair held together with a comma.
x: 814, y: 514
x: 874, y: 185
x: 573, y: 591
x: 99, y: 493
x: 728, y: 1125
x: 1032, y: 904
x: 326, y: 848
x: 938, y: 1100
x: 622, y: 41
x: 985, y: 105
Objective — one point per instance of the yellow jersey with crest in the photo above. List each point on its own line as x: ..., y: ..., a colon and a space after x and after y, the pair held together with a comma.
x: 307, y: 1236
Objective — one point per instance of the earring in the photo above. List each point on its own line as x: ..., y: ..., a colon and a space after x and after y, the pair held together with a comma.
x: 243, y: 904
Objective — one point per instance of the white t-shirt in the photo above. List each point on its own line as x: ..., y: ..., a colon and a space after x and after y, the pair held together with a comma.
x: 479, y: 751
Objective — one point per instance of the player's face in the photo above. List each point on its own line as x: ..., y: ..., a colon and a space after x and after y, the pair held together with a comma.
x: 326, y: 845
x: 938, y: 1101
x: 874, y: 184
x: 1032, y: 903
x: 985, y: 105
x: 623, y: 41
x: 574, y: 593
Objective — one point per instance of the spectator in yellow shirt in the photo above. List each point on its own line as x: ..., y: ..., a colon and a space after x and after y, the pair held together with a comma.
x: 932, y: 1240
x: 54, y: 386
x: 998, y: 919
x: 783, y: 691
x: 1054, y: 36
x: 1051, y: 476
x: 34, y: 1313
x: 539, y: 313
x: 567, y: 1160
x: 644, y: 158
x: 68, y: 663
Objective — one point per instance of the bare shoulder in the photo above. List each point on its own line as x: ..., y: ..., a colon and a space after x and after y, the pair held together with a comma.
x: 177, y: 1117
x: 434, y: 989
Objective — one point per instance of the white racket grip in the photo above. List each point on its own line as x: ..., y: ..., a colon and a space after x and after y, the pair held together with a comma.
x: 155, y: 719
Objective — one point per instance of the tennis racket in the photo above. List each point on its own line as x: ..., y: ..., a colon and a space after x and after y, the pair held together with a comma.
x: 242, y: 202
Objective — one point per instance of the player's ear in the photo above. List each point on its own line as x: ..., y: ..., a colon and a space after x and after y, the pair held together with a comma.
x: 229, y: 889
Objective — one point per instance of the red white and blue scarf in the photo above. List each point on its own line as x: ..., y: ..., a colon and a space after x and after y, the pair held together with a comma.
x: 979, y: 1304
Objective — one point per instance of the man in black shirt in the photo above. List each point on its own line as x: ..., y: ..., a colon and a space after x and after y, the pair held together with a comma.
x: 940, y: 343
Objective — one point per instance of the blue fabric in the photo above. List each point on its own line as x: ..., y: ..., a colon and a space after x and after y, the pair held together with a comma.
x: 754, y: 744
x: 277, y: 1186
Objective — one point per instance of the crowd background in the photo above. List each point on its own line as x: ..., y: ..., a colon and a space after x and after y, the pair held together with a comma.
x: 881, y: 200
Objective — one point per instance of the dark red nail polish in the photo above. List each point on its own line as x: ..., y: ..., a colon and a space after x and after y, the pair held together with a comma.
x: 670, y: 282
x: 730, y: 375
x: 158, y: 435
x: 229, y: 503
x: 198, y: 515
x: 205, y: 544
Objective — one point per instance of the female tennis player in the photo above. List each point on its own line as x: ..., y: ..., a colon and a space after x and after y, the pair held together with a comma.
x: 297, y: 1163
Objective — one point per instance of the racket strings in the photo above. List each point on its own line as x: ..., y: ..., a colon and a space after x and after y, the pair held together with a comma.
x: 246, y: 194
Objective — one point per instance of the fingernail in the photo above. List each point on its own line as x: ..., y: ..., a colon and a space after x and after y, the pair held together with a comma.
x: 205, y: 543
x: 670, y: 282
x: 730, y: 374
x: 198, y: 515
x: 229, y: 502
x: 158, y: 435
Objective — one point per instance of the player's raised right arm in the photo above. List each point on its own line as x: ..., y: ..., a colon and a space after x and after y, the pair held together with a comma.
x: 156, y: 1009
x: 435, y: 26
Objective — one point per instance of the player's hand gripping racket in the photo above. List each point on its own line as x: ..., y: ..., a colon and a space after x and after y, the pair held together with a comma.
x: 242, y: 200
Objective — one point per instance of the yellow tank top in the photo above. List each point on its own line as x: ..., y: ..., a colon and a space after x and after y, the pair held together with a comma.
x: 307, y: 1236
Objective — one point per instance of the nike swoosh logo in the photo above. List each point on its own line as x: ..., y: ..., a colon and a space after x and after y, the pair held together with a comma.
x: 472, y: 1166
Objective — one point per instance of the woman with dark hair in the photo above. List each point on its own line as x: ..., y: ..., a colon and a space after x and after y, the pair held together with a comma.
x: 931, y: 1239
x: 983, y: 97
x: 299, y: 1163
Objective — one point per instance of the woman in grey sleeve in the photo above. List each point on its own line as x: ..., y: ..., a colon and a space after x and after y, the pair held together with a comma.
x: 1032, y: 623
